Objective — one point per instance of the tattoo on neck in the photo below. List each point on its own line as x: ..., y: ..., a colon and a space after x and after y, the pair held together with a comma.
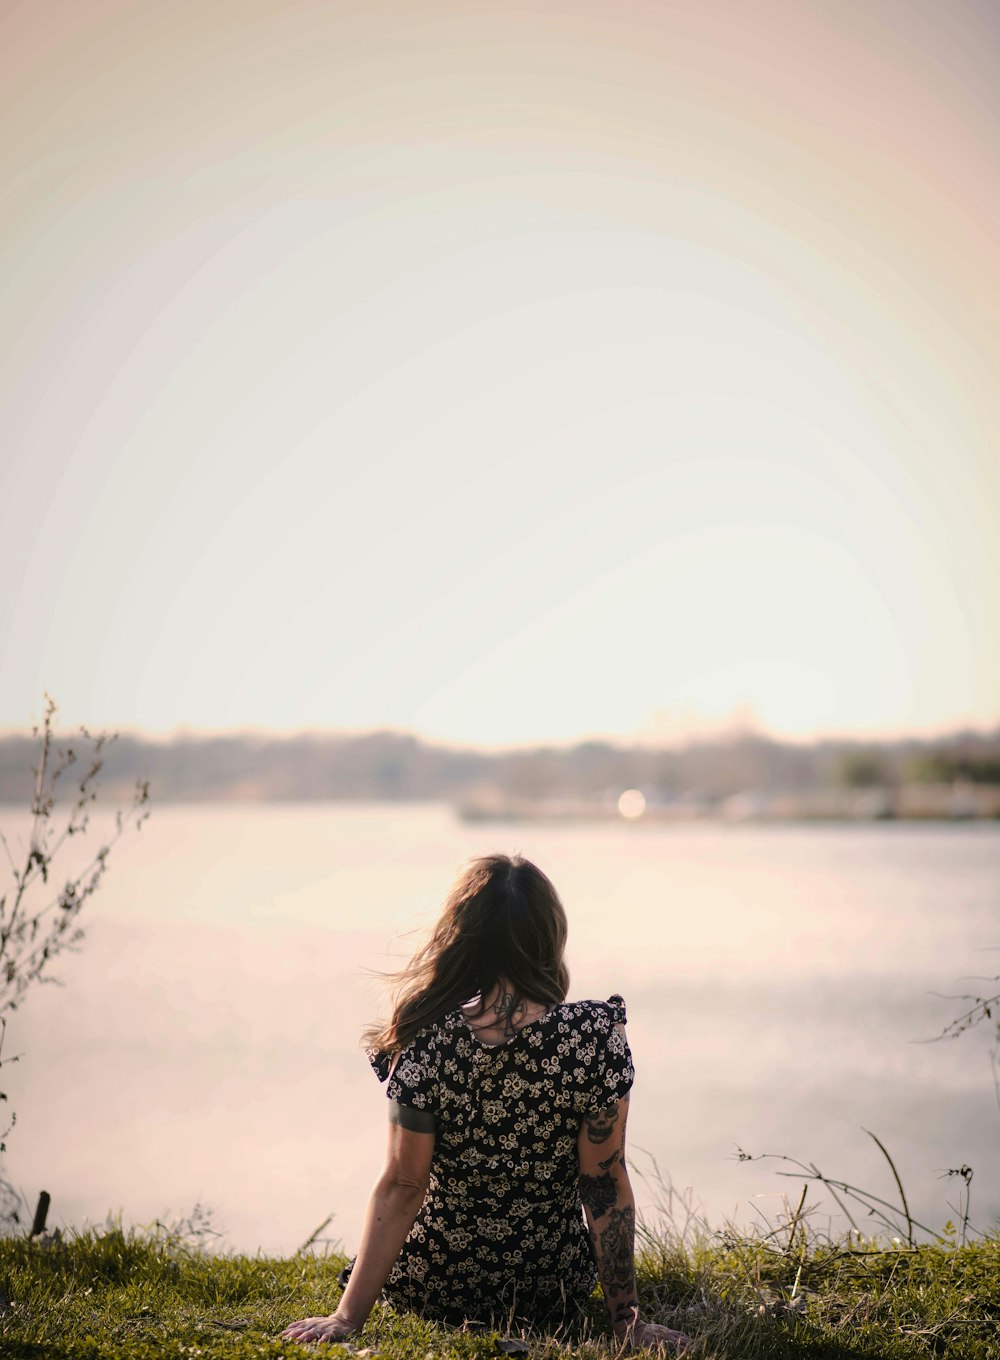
x: 506, y: 1012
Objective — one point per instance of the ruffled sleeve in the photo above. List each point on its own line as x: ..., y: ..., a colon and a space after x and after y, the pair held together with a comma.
x: 413, y: 1085
x: 381, y: 1061
x: 614, y: 1072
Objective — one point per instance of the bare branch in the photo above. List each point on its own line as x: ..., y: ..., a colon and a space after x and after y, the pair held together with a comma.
x: 32, y: 936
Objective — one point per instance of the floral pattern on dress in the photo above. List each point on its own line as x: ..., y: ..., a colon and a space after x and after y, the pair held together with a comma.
x: 501, y: 1232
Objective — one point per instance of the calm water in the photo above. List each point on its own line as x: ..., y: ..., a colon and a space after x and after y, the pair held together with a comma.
x: 778, y: 980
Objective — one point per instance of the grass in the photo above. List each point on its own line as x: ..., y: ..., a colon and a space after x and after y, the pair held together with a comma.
x: 781, y: 1295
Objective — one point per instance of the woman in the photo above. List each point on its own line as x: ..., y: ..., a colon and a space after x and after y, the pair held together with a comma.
x: 507, y: 1110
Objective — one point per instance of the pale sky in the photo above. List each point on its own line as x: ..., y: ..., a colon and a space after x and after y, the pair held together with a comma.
x: 501, y: 372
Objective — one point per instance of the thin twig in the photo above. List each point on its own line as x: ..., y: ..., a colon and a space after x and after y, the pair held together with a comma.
x: 10, y: 857
x: 899, y: 1184
x: 314, y: 1234
x: 795, y: 1217
x: 837, y: 1200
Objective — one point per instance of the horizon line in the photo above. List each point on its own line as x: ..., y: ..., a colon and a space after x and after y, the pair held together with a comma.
x: 710, y: 731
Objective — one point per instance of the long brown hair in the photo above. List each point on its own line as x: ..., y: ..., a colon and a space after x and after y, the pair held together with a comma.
x: 502, y: 921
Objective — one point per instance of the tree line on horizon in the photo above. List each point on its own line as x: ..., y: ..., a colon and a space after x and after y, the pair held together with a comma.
x: 401, y: 767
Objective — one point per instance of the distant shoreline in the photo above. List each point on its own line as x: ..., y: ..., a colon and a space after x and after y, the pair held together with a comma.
x: 744, y: 778
x: 732, y: 812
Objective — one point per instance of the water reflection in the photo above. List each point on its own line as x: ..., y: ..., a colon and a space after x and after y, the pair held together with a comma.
x: 205, y: 1045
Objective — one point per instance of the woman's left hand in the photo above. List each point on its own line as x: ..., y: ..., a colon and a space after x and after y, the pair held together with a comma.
x: 654, y: 1336
x: 330, y: 1328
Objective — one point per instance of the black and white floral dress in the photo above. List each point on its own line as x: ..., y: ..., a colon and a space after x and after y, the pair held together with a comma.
x: 501, y: 1233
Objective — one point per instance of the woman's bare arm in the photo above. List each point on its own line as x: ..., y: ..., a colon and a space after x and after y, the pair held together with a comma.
x: 392, y: 1208
x: 609, y: 1205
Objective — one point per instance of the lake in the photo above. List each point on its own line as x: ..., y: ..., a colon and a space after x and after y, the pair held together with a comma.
x: 779, y: 982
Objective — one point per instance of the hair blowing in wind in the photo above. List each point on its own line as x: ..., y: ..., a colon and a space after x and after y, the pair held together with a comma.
x: 501, y: 922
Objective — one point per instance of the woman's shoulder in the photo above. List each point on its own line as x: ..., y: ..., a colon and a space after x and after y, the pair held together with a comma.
x: 587, y: 1016
x: 610, y: 1012
x: 421, y: 1049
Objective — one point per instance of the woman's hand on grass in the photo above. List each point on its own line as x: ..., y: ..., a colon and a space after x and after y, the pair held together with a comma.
x: 654, y: 1336
x: 331, y: 1328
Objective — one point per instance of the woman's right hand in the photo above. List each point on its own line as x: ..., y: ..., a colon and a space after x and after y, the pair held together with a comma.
x: 331, y: 1328
x: 654, y: 1336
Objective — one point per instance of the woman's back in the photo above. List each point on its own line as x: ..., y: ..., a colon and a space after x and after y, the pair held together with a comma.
x: 501, y: 1222
x: 503, y: 1132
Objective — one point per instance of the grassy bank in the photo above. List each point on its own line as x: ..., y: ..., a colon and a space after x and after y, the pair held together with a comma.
x: 110, y: 1295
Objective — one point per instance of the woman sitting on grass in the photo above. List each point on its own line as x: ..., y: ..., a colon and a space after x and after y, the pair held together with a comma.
x: 507, y: 1109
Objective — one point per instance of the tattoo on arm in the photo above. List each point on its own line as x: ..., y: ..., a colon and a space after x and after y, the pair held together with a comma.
x: 600, y: 1125
x: 625, y: 1311
x: 599, y: 1193
x: 616, y: 1252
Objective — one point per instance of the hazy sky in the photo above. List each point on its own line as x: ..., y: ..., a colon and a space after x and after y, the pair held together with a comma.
x: 502, y: 371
